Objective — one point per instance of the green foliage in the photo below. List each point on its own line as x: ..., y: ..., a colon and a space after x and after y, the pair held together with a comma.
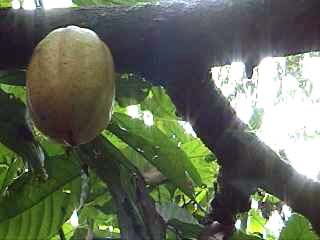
x: 159, y: 104
x: 131, y: 90
x: 297, y: 227
x: 256, y: 222
x: 198, y: 153
x: 151, y: 143
x: 5, y: 3
x: 15, y: 134
x: 256, y: 118
x: 31, y: 209
x: 36, y: 208
x: 13, y: 77
x: 180, y: 219
x: 239, y: 235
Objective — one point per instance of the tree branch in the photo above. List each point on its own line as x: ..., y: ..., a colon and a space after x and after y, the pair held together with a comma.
x: 155, y: 39
x: 246, y: 162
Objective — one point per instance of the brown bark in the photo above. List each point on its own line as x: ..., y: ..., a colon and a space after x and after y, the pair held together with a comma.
x: 153, y: 40
x: 246, y: 163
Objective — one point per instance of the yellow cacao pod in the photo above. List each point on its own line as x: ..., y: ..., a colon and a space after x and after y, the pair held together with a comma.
x: 70, y: 85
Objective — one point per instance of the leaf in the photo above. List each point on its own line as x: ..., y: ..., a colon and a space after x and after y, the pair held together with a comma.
x: 5, y: 3
x: 8, y: 171
x: 197, y: 152
x: 181, y: 219
x: 173, y: 129
x: 297, y: 227
x: 159, y: 104
x: 17, y: 91
x: 239, y: 235
x: 15, y: 134
x: 131, y: 90
x: 155, y: 146
x: 68, y: 231
x: 256, y: 118
x: 134, y: 206
x: 9, y: 165
x: 36, y: 210
x: 169, y: 211
x: 256, y: 222
x: 13, y: 77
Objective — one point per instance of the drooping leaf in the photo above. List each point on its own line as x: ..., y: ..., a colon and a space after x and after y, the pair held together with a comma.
x: 13, y: 77
x: 18, y: 91
x: 9, y: 167
x: 297, y: 227
x: 173, y: 129
x: 170, y: 211
x: 197, y: 152
x: 239, y: 235
x: 5, y: 3
x: 68, y: 231
x: 135, y: 208
x: 181, y: 219
x: 159, y: 104
x: 256, y: 223
x: 256, y: 118
x: 131, y: 90
x: 164, y: 115
x: 33, y: 209
x: 155, y: 146
x: 15, y: 134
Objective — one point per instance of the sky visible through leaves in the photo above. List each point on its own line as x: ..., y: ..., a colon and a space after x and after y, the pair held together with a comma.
x: 286, y: 102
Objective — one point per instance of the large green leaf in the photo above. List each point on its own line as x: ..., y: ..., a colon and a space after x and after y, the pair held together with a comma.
x: 13, y: 77
x: 131, y: 90
x: 68, y: 231
x: 36, y: 210
x: 198, y: 153
x: 155, y: 146
x: 134, y: 206
x: 173, y: 129
x: 181, y: 219
x: 256, y: 222
x: 297, y: 227
x: 5, y: 3
x: 159, y: 104
x: 239, y: 235
x: 164, y: 115
x: 14, y: 132
x: 9, y: 167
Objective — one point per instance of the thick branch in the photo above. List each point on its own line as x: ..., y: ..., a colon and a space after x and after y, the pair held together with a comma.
x: 246, y: 163
x: 156, y: 39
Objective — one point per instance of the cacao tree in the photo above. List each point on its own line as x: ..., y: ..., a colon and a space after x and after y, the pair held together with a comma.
x: 146, y: 176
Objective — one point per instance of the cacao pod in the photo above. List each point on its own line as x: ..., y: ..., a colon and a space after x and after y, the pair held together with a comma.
x: 70, y: 85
